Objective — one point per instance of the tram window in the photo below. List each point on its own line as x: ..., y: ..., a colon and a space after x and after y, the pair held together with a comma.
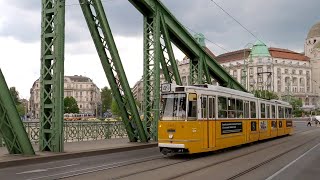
x: 192, y: 107
x: 267, y: 111
x: 239, y: 105
x: 211, y: 107
x: 231, y: 108
x: 280, y: 112
x: 290, y: 112
x: 173, y: 106
x: 253, y: 110
x: 204, y: 107
x: 263, y: 110
x: 246, y: 109
x: 222, y: 107
x: 273, y: 111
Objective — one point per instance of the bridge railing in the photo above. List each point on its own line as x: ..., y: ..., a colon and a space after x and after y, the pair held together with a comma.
x: 75, y: 131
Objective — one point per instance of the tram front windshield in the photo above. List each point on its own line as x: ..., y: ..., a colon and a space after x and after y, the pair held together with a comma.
x: 174, y: 106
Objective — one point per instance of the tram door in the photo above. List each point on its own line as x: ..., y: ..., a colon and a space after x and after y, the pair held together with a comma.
x: 207, y: 116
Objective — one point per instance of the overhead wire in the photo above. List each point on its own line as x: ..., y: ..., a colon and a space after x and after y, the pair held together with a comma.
x: 235, y: 20
x: 208, y: 40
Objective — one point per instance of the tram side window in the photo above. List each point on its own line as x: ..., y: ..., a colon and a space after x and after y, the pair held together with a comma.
x: 211, y: 107
x: 222, y: 107
x: 231, y: 108
x: 253, y: 110
x: 246, y: 109
x: 192, y: 107
x: 267, y: 111
x: 239, y: 104
x: 204, y: 107
x: 288, y: 112
x: 263, y: 110
x: 273, y: 111
x: 280, y: 112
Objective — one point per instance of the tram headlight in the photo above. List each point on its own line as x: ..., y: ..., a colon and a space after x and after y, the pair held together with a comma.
x: 170, y: 136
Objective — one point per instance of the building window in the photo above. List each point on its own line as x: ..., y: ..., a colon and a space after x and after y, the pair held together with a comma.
x: 293, y: 71
x: 300, y: 72
x: 286, y: 71
x: 235, y: 73
x: 269, y: 69
x: 259, y: 69
x: 260, y: 79
x: 278, y: 71
x: 251, y: 71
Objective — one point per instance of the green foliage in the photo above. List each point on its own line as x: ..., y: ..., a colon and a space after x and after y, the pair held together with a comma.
x: 115, y: 108
x: 70, y: 105
x: 106, y: 98
x: 296, y: 104
x: 21, y: 109
x: 265, y: 94
x: 15, y: 95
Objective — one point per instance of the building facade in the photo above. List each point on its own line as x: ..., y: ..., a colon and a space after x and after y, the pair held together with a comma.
x: 285, y: 72
x: 82, y: 88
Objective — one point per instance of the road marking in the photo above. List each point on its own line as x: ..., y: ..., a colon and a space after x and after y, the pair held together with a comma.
x: 44, y: 170
x: 104, y: 167
x: 288, y: 165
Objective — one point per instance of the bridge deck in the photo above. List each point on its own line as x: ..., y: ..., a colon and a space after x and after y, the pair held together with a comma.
x: 72, y: 150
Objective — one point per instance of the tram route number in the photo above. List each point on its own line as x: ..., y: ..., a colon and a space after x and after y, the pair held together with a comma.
x: 231, y: 127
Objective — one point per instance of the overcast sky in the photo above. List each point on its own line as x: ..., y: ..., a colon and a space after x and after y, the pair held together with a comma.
x: 279, y: 23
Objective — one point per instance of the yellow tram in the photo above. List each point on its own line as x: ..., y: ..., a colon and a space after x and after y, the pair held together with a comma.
x: 206, y: 118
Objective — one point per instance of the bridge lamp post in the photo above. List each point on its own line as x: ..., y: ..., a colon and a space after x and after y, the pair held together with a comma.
x: 246, y: 62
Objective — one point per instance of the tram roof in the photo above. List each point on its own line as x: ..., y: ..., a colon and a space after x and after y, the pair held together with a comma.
x: 221, y: 90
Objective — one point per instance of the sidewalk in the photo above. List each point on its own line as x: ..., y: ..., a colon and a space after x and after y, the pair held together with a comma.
x: 73, y: 150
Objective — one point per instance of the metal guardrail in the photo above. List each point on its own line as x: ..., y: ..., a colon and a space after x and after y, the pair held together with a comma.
x: 76, y: 131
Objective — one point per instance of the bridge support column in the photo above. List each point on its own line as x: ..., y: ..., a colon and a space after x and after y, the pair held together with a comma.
x: 52, y: 75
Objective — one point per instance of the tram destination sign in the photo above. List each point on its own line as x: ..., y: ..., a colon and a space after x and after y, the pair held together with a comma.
x: 231, y: 127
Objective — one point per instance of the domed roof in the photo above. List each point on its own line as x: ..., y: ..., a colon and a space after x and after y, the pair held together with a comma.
x: 260, y: 49
x: 314, y: 31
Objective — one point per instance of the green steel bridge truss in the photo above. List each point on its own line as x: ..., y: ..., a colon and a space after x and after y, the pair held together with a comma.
x: 12, y: 130
x: 161, y: 29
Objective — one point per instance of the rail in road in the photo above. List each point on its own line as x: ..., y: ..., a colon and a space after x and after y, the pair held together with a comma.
x: 132, y: 166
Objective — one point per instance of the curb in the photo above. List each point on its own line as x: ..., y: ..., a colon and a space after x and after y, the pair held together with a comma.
x: 71, y: 155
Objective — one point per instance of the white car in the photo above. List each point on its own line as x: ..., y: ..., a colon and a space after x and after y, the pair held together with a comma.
x: 316, y: 118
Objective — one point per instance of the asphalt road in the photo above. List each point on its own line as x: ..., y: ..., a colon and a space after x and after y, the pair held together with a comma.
x: 300, y: 163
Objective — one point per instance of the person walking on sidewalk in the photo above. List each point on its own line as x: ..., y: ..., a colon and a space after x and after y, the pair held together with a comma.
x: 310, y: 120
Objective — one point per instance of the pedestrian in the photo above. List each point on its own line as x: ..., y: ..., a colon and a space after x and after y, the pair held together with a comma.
x: 309, y: 122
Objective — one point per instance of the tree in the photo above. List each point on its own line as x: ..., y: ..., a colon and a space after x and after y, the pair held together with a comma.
x: 70, y: 105
x: 106, y: 98
x: 296, y: 106
x: 264, y: 94
x: 21, y: 109
x: 15, y: 95
x: 115, y: 108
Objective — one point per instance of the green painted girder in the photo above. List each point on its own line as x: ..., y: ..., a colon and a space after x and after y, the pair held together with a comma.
x: 151, y: 74
x: 98, y: 25
x: 169, y: 64
x: 52, y: 75
x: 185, y: 42
x: 11, y: 127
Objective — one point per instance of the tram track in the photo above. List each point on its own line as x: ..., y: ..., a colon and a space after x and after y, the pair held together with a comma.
x: 118, y: 165
x: 184, y: 161
x: 269, y: 160
x: 242, y: 155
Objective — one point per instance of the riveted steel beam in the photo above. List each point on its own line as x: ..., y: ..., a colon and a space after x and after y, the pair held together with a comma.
x: 98, y: 25
x: 186, y: 43
x: 52, y: 75
x: 11, y: 127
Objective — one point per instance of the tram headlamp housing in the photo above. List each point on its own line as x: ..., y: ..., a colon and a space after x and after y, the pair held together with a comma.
x: 170, y: 136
